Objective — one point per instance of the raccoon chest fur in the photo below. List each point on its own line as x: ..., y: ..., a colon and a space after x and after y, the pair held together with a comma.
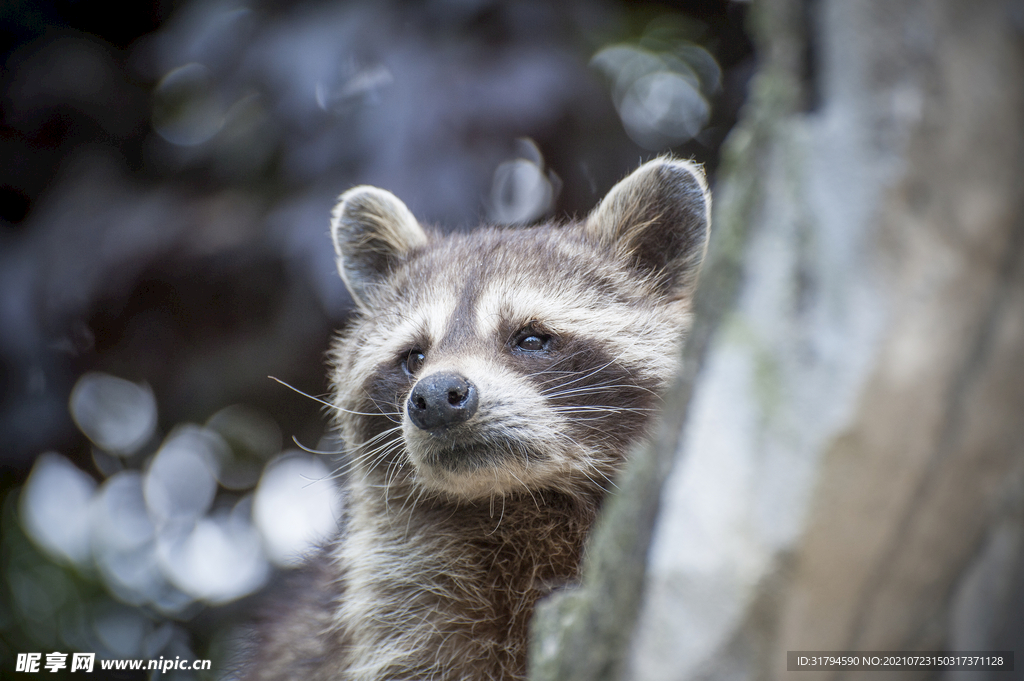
x: 452, y: 597
x: 488, y: 391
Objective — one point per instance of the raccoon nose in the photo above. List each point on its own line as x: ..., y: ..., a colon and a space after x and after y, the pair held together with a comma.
x: 442, y: 399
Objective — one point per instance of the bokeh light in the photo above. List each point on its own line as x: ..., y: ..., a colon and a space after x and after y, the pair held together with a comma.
x: 295, y: 507
x: 661, y: 86
x: 179, y: 485
x: 117, y: 415
x: 186, y: 106
x: 218, y: 560
x: 522, y: 191
x: 55, y: 507
x: 153, y: 534
x: 252, y: 438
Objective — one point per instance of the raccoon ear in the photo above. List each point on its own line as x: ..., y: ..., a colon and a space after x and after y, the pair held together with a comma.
x: 372, y: 229
x: 658, y: 218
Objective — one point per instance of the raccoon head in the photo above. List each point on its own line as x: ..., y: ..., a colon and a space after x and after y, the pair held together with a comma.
x: 518, y: 359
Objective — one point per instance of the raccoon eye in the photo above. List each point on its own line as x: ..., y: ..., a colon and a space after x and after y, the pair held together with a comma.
x: 532, y: 341
x: 413, y: 361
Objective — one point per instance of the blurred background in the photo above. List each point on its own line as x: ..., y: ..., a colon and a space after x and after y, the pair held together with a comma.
x: 167, y: 170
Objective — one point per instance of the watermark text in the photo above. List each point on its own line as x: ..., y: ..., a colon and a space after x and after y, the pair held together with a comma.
x: 86, y: 662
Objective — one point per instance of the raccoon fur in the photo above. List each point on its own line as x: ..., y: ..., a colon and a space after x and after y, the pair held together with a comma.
x: 488, y: 391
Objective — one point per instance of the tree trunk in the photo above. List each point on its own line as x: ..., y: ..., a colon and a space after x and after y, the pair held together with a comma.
x: 843, y: 458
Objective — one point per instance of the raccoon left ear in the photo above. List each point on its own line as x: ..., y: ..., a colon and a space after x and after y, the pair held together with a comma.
x: 372, y: 229
x: 658, y: 218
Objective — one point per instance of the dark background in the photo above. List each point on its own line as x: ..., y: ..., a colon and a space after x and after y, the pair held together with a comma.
x: 167, y: 170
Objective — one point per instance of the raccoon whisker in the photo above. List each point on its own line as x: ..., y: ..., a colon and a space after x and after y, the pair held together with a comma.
x: 604, y: 382
x: 348, y: 466
x: 341, y: 471
x: 597, y: 370
x: 596, y: 483
x: 515, y: 445
x: 543, y: 372
x: 596, y: 389
x: 345, y: 467
x: 590, y: 464
x: 396, y: 468
x: 564, y: 437
x: 592, y: 418
x: 601, y: 487
x: 414, y: 500
x: 372, y: 456
x: 589, y: 390
x: 379, y: 450
x: 567, y: 408
x: 527, y: 488
x: 603, y: 475
x: 355, y: 464
x: 327, y: 404
x: 579, y: 376
x: 567, y: 385
x: 601, y: 436
x: 562, y: 360
x: 412, y: 510
x: 387, y: 486
x: 376, y: 437
x: 552, y: 370
x: 390, y: 475
x: 313, y: 451
x: 391, y: 430
x: 304, y: 394
x: 312, y: 481
x: 370, y: 460
x: 377, y: 457
x: 592, y: 372
x: 602, y: 440
x: 596, y: 412
x: 610, y: 480
x: 390, y: 410
x: 598, y: 467
x: 394, y: 416
x: 500, y: 517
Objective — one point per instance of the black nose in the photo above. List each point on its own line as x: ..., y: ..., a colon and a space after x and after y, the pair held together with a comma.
x: 442, y: 399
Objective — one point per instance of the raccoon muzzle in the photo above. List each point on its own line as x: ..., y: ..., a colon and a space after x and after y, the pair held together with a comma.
x: 442, y: 399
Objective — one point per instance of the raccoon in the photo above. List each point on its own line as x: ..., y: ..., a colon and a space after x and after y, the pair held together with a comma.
x: 488, y: 391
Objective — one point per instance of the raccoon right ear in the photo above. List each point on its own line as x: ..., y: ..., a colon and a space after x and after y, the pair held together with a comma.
x: 657, y: 219
x: 372, y: 229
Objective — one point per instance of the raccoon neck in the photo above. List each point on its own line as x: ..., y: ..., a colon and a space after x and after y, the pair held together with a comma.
x: 449, y: 588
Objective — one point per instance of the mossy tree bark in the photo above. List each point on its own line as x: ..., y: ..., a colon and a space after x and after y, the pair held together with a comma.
x: 841, y: 466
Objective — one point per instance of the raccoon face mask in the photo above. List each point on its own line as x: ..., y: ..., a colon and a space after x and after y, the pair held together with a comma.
x: 513, y: 359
